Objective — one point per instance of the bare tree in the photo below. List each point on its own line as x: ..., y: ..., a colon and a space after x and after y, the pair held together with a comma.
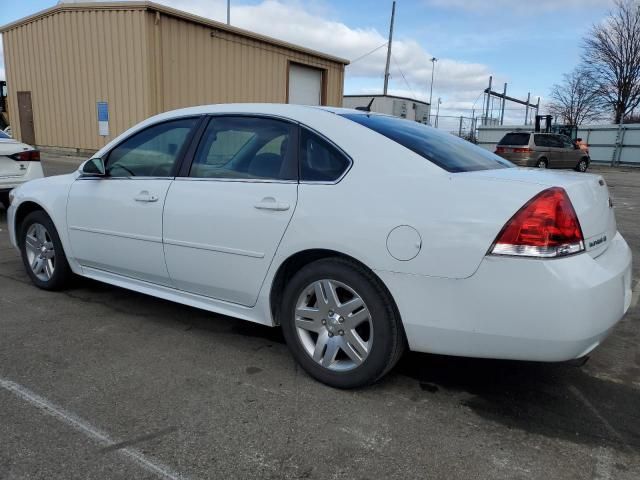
x: 576, y: 100
x: 632, y: 118
x: 612, y: 56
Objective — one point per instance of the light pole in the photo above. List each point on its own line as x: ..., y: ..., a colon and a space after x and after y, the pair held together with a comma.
x: 433, y: 69
x: 228, y: 12
x: 438, y: 111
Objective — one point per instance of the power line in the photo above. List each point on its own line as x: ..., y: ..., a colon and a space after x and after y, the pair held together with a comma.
x: 403, y: 77
x: 368, y: 53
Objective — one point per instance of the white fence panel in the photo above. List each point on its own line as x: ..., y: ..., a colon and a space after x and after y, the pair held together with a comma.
x: 607, y: 143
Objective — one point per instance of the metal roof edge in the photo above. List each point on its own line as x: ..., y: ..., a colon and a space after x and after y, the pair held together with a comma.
x: 147, y: 5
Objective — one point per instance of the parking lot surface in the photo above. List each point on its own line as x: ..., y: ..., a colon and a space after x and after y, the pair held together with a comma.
x: 99, y: 382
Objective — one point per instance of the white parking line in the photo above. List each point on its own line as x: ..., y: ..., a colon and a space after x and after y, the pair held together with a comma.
x: 87, y: 429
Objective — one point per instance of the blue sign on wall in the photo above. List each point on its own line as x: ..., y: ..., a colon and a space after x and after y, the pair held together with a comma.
x: 103, y: 112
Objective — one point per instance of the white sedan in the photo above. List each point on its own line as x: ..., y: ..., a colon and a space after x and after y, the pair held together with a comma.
x: 19, y: 163
x: 359, y: 234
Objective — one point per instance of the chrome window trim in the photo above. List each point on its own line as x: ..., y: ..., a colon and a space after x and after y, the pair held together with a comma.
x: 235, y: 180
x: 98, y: 177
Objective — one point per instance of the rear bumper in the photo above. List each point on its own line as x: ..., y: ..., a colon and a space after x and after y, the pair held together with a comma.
x: 33, y: 171
x: 522, y: 160
x: 514, y: 308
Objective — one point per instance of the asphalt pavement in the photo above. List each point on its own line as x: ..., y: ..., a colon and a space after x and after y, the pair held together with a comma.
x: 102, y: 383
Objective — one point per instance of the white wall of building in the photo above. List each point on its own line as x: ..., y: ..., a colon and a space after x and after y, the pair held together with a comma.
x: 409, y: 109
x: 607, y: 143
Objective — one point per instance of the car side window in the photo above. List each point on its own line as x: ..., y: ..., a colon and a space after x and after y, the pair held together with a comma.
x: 566, y: 142
x: 541, y: 141
x: 319, y: 160
x: 153, y: 152
x: 246, y: 148
x: 555, y: 141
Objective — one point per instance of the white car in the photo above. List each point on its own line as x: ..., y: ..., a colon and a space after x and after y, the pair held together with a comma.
x: 19, y: 163
x: 357, y: 233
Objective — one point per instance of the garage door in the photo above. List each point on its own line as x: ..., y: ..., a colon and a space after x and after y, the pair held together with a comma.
x: 305, y: 85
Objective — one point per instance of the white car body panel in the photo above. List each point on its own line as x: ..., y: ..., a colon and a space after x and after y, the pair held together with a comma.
x: 223, y: 255
x: 106, y: 216
x: 222, y: 245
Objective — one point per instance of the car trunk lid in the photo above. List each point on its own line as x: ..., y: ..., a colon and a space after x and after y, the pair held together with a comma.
x: 588, y: 193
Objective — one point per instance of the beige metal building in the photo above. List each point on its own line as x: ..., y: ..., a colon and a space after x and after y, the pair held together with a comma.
x: 123, y: 62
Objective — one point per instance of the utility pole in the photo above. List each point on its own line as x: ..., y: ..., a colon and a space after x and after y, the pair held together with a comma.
x: 486, y: 111
x: 433, y: 69
x: 386, y: 70
x: 526, y: 111
x: 228, y: 12
x: 504, y: 100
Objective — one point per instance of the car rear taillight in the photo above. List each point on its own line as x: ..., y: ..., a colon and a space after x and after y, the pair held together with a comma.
x: 500, y: 150
x: 546, y: 226
x: 26, y: 156
x: 522, y: 150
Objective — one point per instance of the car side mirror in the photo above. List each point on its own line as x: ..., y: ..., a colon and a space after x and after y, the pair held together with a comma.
x: 94, y: 167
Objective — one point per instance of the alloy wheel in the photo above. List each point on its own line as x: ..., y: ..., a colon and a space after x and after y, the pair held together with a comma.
x: 41, y: 254
x: 334, y: 325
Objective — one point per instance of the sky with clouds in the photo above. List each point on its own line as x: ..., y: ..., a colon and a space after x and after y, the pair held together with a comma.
x: 528, y: 44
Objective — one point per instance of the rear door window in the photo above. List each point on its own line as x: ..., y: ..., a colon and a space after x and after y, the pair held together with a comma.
x: 445, y: 150
x: 246, y: 148
x: 515, y: 139
x: 541, y: 140
x: 555, y: 141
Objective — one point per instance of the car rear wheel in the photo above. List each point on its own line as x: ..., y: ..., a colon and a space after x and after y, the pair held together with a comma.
x: 542, y: 163
x: 340, y: 323
x: 42, y: 253
x: 582, y: 166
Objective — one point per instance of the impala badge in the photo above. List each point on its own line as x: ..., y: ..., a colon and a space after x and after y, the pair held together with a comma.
x: 598, y: 241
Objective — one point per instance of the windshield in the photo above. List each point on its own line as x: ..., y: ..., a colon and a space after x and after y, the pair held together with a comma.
x: 3, y: 135
x: 444, y: 149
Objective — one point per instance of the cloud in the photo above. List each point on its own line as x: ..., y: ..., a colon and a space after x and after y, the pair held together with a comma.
x: 309, y: 24
x: 306, y: 24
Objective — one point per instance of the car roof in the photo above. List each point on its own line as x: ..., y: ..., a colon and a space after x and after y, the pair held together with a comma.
x: 284, y: 109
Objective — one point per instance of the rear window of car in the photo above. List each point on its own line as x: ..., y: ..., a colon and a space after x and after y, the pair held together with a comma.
x: 441, y: 148
x: 515, y: 139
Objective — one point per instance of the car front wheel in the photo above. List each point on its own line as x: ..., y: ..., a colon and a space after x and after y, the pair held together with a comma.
x: 340, y: 323
x: 42, y: 252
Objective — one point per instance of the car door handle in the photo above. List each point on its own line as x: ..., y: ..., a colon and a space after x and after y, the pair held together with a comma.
x: 146, y: 197
x: 270, y: 203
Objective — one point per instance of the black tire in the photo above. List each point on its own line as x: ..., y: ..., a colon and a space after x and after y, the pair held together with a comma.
x: 4, y: 199
x: 582, y: 165
x: 62, y: 273
x: 388, y: 340
x: 542, y: 163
